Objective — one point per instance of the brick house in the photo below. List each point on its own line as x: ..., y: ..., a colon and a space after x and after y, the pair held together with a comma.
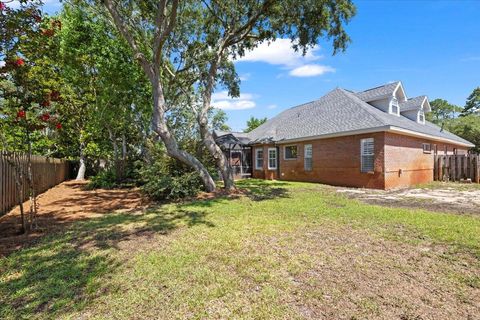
x: 377, y: 138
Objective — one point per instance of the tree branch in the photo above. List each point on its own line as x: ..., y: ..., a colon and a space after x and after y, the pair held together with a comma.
x: 242, y: 32
x: 163, y: 29
x: 121, y: 26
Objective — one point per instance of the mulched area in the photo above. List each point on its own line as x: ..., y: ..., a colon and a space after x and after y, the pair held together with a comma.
x: 68, y: 202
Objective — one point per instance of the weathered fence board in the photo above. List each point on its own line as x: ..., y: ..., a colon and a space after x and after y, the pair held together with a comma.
x: 457, y: 167
x: 46, y: 172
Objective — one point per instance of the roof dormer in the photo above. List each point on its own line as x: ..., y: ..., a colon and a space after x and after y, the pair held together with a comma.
x: 415, y: 109
x: 386, y: 98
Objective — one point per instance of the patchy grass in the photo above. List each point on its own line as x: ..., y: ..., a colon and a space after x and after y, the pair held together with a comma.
x: 287, y: 250
x: 450, y: 185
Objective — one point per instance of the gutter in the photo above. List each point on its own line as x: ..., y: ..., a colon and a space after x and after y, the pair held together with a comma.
x: 388, y: 128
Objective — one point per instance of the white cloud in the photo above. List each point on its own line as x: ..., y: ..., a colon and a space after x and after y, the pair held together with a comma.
x: 222, y: 100
x: 2, y: 63
x: 16, y: 4
x: 272, y: 106
x: 281, y: 53
x: 310, y: 70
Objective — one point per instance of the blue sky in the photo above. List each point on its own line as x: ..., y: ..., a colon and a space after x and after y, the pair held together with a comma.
x: 433, y: 47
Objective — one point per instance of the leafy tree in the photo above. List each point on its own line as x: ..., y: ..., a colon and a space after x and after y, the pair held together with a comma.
x: 467, y: 127
x: 179, y: 44
x: 442, y: 111
x: 105, y: 91
x: 473, y: 103
x: 253, y: 123
x: 29, y: 88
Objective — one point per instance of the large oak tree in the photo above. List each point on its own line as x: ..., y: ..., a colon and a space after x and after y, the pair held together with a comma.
x: 189, y: 45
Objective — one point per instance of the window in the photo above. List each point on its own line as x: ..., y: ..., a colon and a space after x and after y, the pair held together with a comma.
x: 259, y: 158
x: 290, y: 152
x: 427, y: 148
x: 421, y: 116
x: 367, y: 155
x: 308, y: 157
x: 272, y: 158
x: 394, y: 106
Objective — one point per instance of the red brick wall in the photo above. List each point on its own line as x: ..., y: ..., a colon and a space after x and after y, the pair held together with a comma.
x: 336, y: 161
x: 405, y: 162
x: 265, y: 173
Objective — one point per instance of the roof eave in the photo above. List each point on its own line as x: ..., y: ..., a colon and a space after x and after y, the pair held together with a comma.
x: 387, y: 128
x: 428, y: 136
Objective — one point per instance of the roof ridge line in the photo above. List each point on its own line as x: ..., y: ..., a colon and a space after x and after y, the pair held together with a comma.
x: 383, y: 85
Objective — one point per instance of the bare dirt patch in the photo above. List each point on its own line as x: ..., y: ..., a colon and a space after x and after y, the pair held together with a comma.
x: 69, y: 201
x: 348, y: 274
x: 448, y: 198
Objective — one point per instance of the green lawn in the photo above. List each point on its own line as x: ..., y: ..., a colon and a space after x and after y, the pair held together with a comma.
x: 286, y: 251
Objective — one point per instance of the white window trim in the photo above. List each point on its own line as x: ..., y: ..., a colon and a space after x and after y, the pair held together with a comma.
x: 421, y: 113
x: 361, y: 155
x: 285, y: 153
x: 256, y: 157
x: 429, y: 148
x: 268, y: 158
x: 393, y: 102
x: 305, y: 156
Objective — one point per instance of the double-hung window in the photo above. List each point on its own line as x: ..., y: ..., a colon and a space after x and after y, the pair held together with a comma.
x: 421, y: 116
x: 259, y: 158
x: 290, y: 152
x: 394, y: 106
x: 272, y: 158
x: 308, y: 153
x: 367, y: 155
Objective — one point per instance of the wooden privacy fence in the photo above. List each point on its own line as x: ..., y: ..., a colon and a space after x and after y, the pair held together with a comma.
x: 457, y: 167
x: 46, y: 172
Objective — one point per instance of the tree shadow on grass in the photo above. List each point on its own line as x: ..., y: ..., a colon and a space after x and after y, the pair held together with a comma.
x: 64, y: 272
x: 260, y: 190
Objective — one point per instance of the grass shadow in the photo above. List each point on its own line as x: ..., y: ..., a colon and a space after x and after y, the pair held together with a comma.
x: 63, y: 272
x: 260, y: 190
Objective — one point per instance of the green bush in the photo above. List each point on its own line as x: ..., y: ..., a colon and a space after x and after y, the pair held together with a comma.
x: 168, y: 187
x: 105, y: 179
x: 164, y: 178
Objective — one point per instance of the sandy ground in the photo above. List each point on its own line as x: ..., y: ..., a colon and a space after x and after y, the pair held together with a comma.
x: 444, y: 199
x: 65, y: 203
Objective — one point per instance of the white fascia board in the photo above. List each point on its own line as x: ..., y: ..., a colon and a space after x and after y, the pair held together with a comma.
x: 403, y: 90
x: 428, y: 136
x: 392, y: 129
x: 334, y: 135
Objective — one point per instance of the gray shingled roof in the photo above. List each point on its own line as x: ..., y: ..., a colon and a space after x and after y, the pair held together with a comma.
x: 338, y: 111
x: 225, y: 137
x: 378, y: 92
x: 412, y: 104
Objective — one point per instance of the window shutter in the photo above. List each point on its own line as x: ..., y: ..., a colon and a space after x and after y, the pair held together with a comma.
x: 367, y: 155
x: 308, y: 157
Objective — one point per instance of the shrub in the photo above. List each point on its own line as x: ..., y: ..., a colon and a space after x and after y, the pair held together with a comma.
x: 105, y: 179
x: 164, y: 178
x: 168, y: 187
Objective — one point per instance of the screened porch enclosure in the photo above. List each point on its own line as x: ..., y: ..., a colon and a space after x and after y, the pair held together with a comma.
x: 238, y: 153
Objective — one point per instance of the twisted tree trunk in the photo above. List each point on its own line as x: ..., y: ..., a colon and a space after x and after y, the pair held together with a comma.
x: 160, y: 127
